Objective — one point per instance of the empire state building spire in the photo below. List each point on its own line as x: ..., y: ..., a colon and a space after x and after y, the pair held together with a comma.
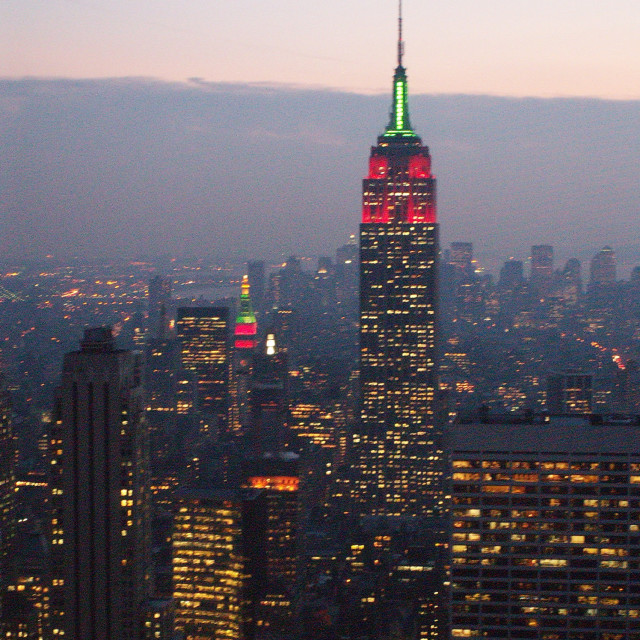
x: 400, y: 42
x: 399, y: 124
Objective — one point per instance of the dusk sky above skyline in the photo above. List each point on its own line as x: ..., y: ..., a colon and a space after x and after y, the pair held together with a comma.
x: 496, y: 47
x: 243, y: 129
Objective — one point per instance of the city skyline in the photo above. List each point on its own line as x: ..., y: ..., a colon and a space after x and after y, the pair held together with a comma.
x: 375, y: 450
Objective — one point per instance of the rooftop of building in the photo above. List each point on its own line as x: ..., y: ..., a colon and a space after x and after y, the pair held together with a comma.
x: 554, y: 434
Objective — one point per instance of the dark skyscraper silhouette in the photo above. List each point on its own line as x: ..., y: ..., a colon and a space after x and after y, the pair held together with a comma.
x: 511, y: 275
x: 397, y: 446
x: 99, y: 506
x: 269, y: 398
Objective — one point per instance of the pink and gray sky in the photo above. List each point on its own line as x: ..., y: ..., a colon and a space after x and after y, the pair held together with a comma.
x: 497, y: 47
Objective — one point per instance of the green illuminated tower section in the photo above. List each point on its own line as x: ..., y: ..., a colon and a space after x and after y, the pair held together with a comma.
x: 397, y: 447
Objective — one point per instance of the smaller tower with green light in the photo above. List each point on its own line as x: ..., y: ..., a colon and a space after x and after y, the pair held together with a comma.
x: 246, y: 324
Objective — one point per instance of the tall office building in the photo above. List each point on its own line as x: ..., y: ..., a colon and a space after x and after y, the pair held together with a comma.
x: 99, y: 518
x: 269, y: 398
x: 542, y: 268
x: 218, y: 557
x: 203, y: 334
x: 278, y: 477
x: 397, y: 445
x: 545, y: 530
x: 7, y: 482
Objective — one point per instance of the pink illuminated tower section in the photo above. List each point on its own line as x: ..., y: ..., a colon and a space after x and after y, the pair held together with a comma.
x: 400, y: 187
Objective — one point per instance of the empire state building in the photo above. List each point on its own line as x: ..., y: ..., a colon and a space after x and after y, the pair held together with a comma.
x: 397, y: 446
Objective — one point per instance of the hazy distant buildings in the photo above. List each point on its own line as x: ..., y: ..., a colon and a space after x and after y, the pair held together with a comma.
x: 204, y: 337
x: 545, y: 535
x: 99, y: 505
x: 569, y: 285
x: 460, y: 259
x: 511, y: 275
x: 603, y: 268
x: 397, y: 443
x: 542, y: 269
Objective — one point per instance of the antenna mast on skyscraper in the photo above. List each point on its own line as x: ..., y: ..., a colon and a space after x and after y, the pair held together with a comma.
x: 400, y: 43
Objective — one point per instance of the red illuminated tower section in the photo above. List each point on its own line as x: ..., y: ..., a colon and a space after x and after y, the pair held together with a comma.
x: 397, y: 447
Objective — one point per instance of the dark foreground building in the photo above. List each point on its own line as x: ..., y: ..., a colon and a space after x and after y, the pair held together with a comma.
x: 99, y: 524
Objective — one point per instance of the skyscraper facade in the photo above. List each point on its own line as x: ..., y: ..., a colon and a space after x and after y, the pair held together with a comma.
x: 7, y: 481
x: 99, y: 518
x: 203, y: 334
x: 397, y: 445
x: 208, y: 566
x: 545, y: 530
x: 218, y: 559
x: 278, y: 477
x: 570, y: 392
